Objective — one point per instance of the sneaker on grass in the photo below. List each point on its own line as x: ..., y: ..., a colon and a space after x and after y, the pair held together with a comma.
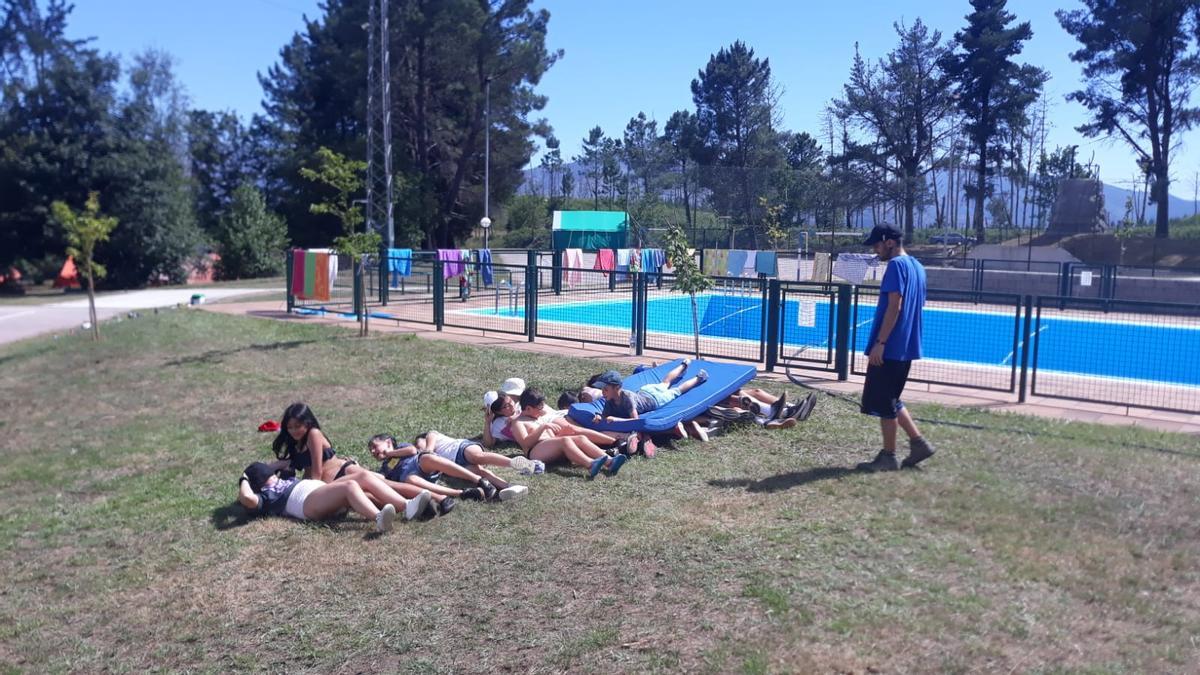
x: 513, y: 493
x: 446, y: 506
x: 597, y: 465
x: 385, y: 517
x: 522, y: 465
x: 539, y: 467
x: 489, y: 490
x: 616, y: 464
x: 884, y: 461
x: 919, y: 450
x: 416, y: 505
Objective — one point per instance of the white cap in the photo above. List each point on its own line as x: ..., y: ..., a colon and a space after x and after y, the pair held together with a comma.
x: 513, y: 386
x: 490, y: 398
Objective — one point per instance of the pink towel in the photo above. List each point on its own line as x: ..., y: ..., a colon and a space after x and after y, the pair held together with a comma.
x: 606, y: 260
x: 573, y: 261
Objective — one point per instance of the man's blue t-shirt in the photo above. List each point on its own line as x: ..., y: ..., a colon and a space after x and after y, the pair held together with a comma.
x: 905, y: 276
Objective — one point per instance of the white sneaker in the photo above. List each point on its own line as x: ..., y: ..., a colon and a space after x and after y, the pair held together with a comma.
x: 513, y: 492
x: 539, y: 467
x: 416, y: 505
x: 383, y: 519
x: 523, y: 465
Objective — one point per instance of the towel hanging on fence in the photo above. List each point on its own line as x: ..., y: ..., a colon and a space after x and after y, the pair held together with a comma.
x: 749, y: 264
x: 720, y: 261
x: 310, y: 274
x: 767, y: 263
x: 333, y: 263
x: 605, y: 260
x: 853, y: 266
x: 399, y: 264
x: 623, y: 256
x: 635, y: 260
x: 573, y: 262
x: 452, y: 264
x: 648, y: 264
x: 735, y: 263
x: 485, y: 265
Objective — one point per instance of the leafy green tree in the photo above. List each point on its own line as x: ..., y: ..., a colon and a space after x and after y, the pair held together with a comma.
x: 442, y: 55
x: 84, y: 231
x: 901, y: 105
x: 592, y: 162
x: 736, y: 112
x: 642, y: 151
x: 688, y: 277
x: 149, y: 189
x: 993, y: 91
x: 681, y: 138
x: 250, y: 239
x: 344, y: 179
x: 56, y: 126
x: 218, y: 149
x: 1140, y: 70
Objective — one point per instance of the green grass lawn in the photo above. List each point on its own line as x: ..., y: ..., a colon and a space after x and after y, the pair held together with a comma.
x: 1025, y: 545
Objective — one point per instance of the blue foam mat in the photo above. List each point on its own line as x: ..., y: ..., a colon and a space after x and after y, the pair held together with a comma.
x: 723, y: 380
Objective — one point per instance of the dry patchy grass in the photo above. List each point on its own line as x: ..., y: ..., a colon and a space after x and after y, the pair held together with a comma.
x: 1026, y: 545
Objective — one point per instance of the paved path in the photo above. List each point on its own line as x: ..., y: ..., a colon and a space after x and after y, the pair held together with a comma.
x: 18, y: 322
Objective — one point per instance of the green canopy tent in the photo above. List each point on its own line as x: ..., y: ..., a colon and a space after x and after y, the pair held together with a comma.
x: 590, y: 229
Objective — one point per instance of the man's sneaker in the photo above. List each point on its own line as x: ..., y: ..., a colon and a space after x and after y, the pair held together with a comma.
x: 472, y: 494
x: 539, y: 467
x: 430, y: 512
x: 513, y: 493
x: 522, y: 465
x: 776, y: 410
x: 697, y: 431
x: 803, y: 409
x: 919, y: 450
x: 702, y: 376
x: 489, y: 490
x: 779, y: 424
x: 884, y: 461
x: 751, y: 405
x: 598, y: 464
x: 416, y: 505
x: 446, y: 506
x: 616, y: 464
x: 383, y: 519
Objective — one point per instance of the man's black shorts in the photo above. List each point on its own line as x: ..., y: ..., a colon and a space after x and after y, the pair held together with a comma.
x: 881, y: 391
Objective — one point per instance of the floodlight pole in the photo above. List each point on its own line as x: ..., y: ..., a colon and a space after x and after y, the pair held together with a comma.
x: 486, y: 221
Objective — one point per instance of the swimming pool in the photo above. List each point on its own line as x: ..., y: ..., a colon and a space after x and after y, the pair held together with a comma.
x: 1111, y: 349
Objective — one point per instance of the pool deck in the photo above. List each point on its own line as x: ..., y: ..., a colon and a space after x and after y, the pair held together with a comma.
x: 915, y: 392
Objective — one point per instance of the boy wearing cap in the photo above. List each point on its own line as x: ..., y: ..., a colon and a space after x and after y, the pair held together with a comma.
x: 622, y: 404
x: 894, y: 343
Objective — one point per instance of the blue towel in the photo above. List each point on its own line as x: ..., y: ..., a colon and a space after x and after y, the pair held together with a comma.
x: 648, y: 265
x: 737, y: 262
x: 399, y: 264
x: 766, y: 263
x: 485, y: 266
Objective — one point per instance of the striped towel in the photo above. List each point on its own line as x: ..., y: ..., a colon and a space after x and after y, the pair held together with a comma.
x: 310, y: 274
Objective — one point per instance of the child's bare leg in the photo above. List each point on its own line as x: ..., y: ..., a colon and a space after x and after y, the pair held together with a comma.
x: 491, y: 477
x: 597, y: 437
x: 688, y: 384
x: 477, y: 456
x: 406, y: 490
x: 675, y: 373
x: 548, y: 451
x: 330, y: 498
x: 434, y: 488
x: 433, y: 463
x: 563, y: 447
x: 374, y: 485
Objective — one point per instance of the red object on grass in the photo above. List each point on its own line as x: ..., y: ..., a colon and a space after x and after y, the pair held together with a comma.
x: 269, y: 425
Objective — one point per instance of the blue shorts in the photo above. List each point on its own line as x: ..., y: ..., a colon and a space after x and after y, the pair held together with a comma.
x: 411, y: 466
x: 460, y: 457
x: 661, y: 393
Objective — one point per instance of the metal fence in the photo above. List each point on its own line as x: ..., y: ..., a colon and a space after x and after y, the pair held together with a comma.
x: 1095, y: 349
x: 1134, y: 354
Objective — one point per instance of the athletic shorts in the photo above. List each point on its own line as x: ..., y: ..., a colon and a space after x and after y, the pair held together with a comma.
x: 881, y: 391
x: 460, y: 456
x: 661, y: 393
x: 295, y: 502
x: 411, y: 466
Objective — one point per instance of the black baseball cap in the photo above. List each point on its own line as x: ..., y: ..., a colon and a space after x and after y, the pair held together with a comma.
x: 610, y: 377
x: 881, y: 232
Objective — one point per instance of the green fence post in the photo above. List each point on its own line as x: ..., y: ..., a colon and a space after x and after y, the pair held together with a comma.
x: 287, y: 266
x: 1026, y: 340
x: 531, y: 295
x: 439, y: 295
x: 773, y: 307
x: 556, y: 262
x: 842, y: 353
x: 356, y: 268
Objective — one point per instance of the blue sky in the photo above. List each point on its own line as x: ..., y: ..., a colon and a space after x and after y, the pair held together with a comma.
x: 622, y: 56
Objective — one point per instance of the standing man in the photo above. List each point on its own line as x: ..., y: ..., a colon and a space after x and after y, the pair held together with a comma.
x: 895, y: 341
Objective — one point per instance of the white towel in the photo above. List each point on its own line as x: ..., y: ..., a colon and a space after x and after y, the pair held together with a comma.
x: 573, y: 261
x: 333, y: 263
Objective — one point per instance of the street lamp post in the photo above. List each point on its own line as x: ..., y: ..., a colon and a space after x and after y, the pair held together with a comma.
x: 486, y: 221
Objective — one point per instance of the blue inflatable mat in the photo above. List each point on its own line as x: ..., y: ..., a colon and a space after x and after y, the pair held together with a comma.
x: 723, y: 380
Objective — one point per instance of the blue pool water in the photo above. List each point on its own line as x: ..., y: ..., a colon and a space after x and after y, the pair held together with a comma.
x: 1102, y: 348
